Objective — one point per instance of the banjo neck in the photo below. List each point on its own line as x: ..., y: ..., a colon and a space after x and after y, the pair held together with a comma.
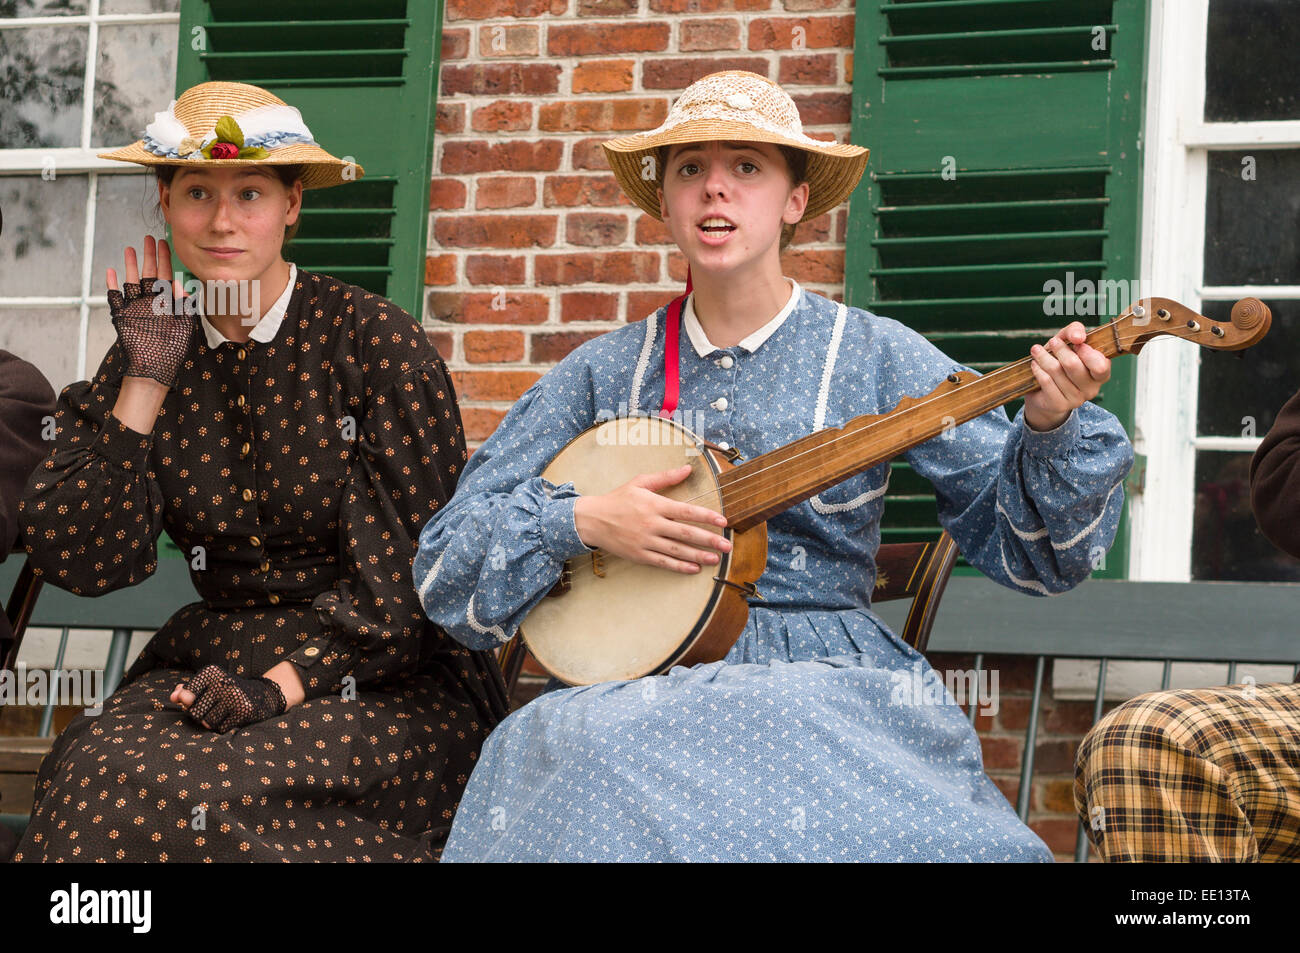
x: 769, y: 484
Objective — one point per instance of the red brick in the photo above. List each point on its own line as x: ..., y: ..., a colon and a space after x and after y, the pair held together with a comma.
x: 709, y: 6
x: 440, y: 270
x: 818, y: 69
x: 492, y: 385
x: 676, y: 266
x: 609, y: 268
x: 584, y: 190
x: 504, y: 115
x: 508, y: 40
x: 505, y: 191
x: 708, y: 35
x: 610, y: 115
x: 814, y: 230
x: 778, y: 33
x: 510, y: 156
x: 555, y: 346
x: 607, y: 8
x: 492, y: 9
x: 1016, y: 672
x: 480, y: 307
x: 493, y: 347
x: 848, y: 69
x: 494, y: 269
x: 480, y: 421
x: 595, y: 228
x: 678, y: 73
x: 446, y: 193
x: 1013, y: 712
x: 606, y: 38
x: 1058, y: 796
x: 1000, y: 754
x: 1069, y: 718
x: 1054, y: 757
x: 587, y: 154
x: 651, y: 231
x: 501, y: 79
x: 800, y: 6
x: 643, y: 303
x: 455, y: 44
x: 825, y: 267
x: 588, y: 306
x: 495, y: 231
x: 450, y: 117
x: 824, y: 109
x: 1058, y: 834
x: 603, y: 76
x: 443, y: 341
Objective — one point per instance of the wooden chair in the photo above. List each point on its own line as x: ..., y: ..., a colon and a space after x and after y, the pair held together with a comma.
x: 916, y: 571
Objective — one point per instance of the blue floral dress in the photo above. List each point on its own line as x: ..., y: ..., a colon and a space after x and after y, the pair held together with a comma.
x: 799, y: 745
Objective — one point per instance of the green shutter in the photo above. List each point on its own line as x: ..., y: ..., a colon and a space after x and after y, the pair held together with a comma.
x: 1038, y: 132
x: 362, y: 74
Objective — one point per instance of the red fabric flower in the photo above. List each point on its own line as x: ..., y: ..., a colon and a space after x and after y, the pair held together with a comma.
x: 225, y: 150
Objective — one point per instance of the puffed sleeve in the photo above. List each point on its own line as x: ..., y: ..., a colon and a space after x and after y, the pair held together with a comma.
x: 411, y: 450
x: 1275, y: 480
x: 1034, y: 511
x: 499, y: 547
x: 26, y: 399
x: 91, y: 513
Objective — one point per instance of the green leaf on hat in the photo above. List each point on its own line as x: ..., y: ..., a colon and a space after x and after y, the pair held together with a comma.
x: 256, y: 152
x: 228, y: 131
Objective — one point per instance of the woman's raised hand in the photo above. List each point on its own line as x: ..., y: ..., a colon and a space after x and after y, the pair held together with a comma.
x: 149, y: 314
x: 635, y: 522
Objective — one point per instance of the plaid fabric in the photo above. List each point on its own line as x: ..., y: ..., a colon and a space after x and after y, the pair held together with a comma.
x: 1205, y: 775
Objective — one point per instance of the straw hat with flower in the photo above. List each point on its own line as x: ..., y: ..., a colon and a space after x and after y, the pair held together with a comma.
x: 223, y: 125
x: 736, y: 106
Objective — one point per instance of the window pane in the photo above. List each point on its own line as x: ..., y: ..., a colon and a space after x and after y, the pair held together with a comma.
x: 1252, y: 218
x: 1226, y: 542
x: 42, y: 73
x: 1250, y: 60
x: 134, y: 77
x: 139, y: 6
x: 100, y: 335
x: 1242, y: 391
x: 10, y: 9
x: 124, y: 214
x: 46, y: 338
x: 44, y: 232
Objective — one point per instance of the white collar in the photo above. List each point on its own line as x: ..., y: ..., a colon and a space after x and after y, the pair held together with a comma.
x: 265, y: 329
x: 704, y: 347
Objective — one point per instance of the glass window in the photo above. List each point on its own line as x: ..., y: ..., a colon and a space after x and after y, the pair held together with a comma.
x: 132, y: 80
x: 1250, y: 61
x: 43, y: 74
x: 1226, y: 541
x: 44, y: 235
x: 1240, y: 392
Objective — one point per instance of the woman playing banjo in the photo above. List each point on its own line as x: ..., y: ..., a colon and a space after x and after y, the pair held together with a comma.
x: 794, y: 747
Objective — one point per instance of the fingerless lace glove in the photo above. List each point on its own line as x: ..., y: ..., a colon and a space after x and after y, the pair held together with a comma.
x: 224, y: 702
x: 153, y: 328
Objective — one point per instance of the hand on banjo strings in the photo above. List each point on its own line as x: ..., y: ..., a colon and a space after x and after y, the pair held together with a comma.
x: 634, y: 522
x: 149, y: 315
x: 1069, y: 373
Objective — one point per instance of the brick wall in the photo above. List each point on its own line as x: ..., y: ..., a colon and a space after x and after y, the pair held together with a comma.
x: 532, y: 247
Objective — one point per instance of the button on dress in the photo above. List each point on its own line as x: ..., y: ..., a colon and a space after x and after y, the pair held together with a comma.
x: 294, y: 470
x: 821, y: 735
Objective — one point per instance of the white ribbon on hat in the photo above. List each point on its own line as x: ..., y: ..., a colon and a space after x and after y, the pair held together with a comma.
x: 266, y: 126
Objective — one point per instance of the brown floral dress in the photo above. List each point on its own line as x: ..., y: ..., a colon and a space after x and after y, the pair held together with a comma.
x: 296, y: 475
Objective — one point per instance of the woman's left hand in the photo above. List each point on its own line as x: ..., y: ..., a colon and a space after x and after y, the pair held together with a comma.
x: 1069, y: 373
x: 223, y: 702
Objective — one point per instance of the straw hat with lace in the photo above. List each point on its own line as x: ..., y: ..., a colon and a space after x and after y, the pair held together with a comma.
x: 736, y: 106
x: 224, y: 125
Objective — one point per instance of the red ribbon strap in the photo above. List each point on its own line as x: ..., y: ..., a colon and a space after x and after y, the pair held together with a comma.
x: 672, y: 335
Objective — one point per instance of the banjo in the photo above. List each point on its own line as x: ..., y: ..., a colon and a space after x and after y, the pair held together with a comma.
x: 610, y: 618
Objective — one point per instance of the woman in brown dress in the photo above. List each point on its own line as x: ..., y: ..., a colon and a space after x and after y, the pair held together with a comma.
x: 303, y: 708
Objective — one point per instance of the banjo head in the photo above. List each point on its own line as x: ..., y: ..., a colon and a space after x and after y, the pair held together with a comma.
x: 620, y: 619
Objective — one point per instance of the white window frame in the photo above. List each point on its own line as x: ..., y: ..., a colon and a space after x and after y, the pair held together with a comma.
x: 1178, y: 143
x: 79, y: 160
